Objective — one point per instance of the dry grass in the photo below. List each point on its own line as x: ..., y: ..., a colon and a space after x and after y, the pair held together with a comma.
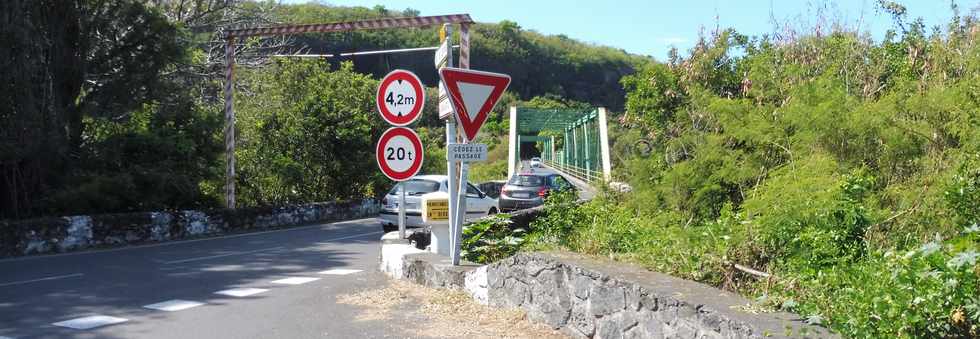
x: 446, y: 313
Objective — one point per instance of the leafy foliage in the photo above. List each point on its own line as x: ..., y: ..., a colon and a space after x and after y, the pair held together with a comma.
x: 310, y: 136
x: 491, y: 239
x: 844, y: 168
x: 92, y: 118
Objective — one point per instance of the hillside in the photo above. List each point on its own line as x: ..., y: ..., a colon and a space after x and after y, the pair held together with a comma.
x: 538, y: 64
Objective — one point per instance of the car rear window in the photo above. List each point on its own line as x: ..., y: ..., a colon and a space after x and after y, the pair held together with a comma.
x: 416, y: 187
x: 525, y: 180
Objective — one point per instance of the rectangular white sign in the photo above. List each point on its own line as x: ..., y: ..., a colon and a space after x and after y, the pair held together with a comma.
x: 445, y: 107
x: 467, y: 152
x: 442, y: 54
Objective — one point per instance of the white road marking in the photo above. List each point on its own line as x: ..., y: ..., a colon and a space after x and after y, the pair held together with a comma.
x: 41, y: 279
x: 2, y: 337
x: 179, y: 242
x: 241, y: 292
x: 173, y: 305
x: 295, y: 280
x: 220, y: 255
x: 340, y: 271
x: 348, y: 237
x: 90, y: 322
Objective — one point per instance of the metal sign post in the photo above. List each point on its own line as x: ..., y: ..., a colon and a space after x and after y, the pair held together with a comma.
x: 457, y: 232
x: 401, y: 212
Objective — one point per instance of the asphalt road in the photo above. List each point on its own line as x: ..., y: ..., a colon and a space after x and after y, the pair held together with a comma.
x: 112, y: 285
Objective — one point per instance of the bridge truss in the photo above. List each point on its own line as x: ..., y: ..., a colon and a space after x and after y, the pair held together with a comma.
x: 575, y: 142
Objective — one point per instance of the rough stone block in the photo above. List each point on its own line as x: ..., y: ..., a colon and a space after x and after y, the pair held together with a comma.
x: 606, y: 300
x: 609, y: 327
x: 581, y: 320
x: 475, y: 283
x: 581, y: 285
x: 78, y: 234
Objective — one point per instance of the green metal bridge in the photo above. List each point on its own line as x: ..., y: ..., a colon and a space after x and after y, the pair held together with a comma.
x: 574, y: 142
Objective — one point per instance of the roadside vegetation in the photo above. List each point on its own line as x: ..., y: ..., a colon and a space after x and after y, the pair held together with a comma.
x: 813, y: 169
x: 97, y: 117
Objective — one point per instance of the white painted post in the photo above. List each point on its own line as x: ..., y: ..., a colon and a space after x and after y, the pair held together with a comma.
x: 604, y: 145
x: 401, y: 211
x: 451, y: 166
x: 512, y: 144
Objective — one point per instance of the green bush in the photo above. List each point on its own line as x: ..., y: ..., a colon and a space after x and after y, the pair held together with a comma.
x: 310, y: 136
x: 491, y: 239
x: 846, y: 169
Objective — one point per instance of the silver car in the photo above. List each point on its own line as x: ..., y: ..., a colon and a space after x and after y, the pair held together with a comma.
x: 478, y: 204
x: 529, y: 189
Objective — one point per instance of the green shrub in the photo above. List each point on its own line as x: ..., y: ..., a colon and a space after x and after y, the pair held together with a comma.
x: 846, y: 169
x: 491, y: 239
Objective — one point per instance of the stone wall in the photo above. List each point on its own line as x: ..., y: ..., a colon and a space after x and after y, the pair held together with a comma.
x: 53, y: 235
x: 592, y: 298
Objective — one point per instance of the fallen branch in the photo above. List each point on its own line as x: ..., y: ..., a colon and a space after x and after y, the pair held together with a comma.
x: 752, y: 271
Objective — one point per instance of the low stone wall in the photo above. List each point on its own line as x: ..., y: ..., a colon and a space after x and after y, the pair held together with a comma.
x: 591, y: 298
x: 53, y: 235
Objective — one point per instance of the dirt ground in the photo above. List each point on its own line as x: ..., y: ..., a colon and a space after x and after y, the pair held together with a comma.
x: 443, y: 313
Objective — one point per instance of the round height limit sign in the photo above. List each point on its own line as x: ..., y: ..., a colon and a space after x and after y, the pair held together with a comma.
x: 400, y: 97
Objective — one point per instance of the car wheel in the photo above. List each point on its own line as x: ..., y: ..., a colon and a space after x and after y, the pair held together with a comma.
x: 493, y: 210
x: 389, y: 227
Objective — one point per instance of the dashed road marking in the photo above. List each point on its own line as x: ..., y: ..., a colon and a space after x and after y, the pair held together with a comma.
x: 41, y: 279
x: 295, y: 280
x: 220, y: 255
x: 328, y: 241
x: 241, y: 292
x: 173, y: 305
x: 90, y: 322
x: 340, y: 271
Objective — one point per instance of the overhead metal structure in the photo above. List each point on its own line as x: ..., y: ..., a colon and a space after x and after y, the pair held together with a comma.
x: 232, y: 35
x: 575, y: 142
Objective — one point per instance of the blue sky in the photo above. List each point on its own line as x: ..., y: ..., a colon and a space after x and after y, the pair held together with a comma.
x: 652, y: 27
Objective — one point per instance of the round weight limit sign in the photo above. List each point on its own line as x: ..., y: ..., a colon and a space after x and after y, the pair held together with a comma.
x: 399, y: 153
x: 400, y: 97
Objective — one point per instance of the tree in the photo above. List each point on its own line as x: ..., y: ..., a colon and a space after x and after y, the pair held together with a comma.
x: 67, y: 61
x: 309, y: 134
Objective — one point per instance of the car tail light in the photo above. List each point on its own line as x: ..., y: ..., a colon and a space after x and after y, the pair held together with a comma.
x: 542, y: 192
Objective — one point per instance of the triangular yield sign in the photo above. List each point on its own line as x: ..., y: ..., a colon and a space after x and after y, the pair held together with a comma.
x: 473, y: 94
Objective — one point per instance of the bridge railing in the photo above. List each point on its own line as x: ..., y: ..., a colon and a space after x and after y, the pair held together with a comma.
x: 587, y: 175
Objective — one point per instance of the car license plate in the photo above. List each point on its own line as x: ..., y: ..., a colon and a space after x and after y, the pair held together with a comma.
x: 521, y: 195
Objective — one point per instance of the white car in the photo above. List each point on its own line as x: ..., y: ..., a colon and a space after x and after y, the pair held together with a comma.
x: 535, y: 162
x: 478, y: 204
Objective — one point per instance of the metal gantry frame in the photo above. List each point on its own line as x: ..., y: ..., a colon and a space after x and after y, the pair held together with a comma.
x: 584, y: 148
x: 232, y: 35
